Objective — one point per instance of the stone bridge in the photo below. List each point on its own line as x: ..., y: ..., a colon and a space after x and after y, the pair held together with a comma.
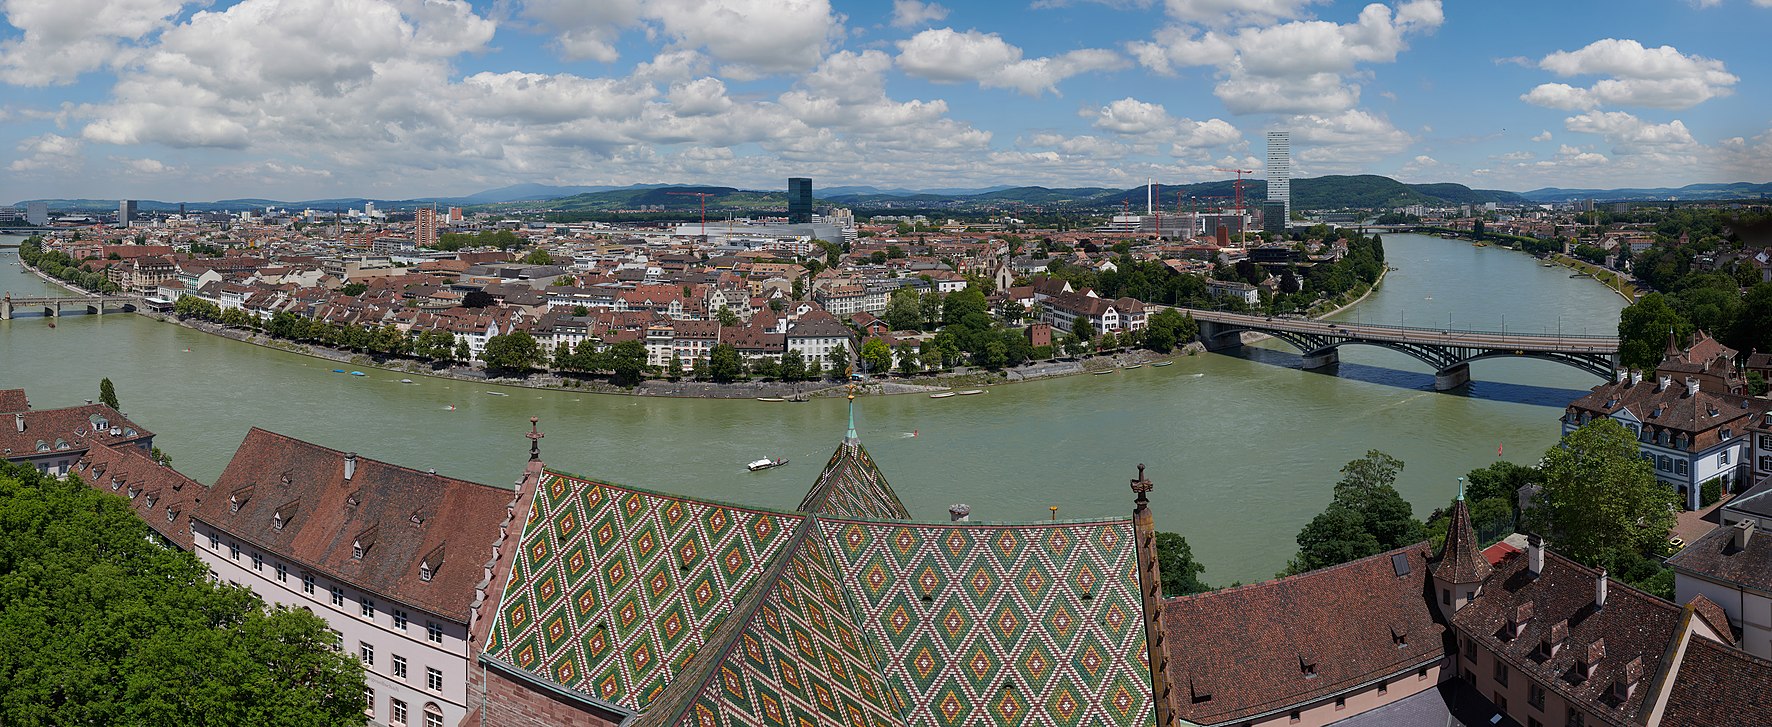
x: 1448, y: 351
x: 54, y: 306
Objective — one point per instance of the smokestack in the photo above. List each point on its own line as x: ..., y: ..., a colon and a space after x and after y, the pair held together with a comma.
x: 1149, y: 185
x: 1535, y: 555
x: 1662, y: 382
x: 1623, y: 375
x: 960, y: 513
x: 1600, y: 589
x: 350, y: 465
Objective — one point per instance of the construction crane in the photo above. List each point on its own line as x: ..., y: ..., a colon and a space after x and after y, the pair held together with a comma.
x: 1242, y: 215
x: 704, y: 207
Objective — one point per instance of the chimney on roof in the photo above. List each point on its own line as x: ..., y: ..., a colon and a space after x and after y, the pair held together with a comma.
x: 18, y: 420
x: 1691, y: 386
x: 1535, y: 555
x: 1744, y: 531
x: 1662, y: 382
x: 1636, y: 377
x: 1623, y: 375
x: 960, y: 513
x: 350, y: 465
x: 1600, y: 589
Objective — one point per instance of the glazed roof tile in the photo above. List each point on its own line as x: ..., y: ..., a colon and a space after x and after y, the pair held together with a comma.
x: 1241, y: 652
x: 852, y: 486
x: 401, y: 517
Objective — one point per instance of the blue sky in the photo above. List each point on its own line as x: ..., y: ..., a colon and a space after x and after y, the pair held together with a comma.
x: 294, y: 99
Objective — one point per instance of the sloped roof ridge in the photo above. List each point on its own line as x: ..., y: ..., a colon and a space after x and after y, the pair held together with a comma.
x: 850, y: 469
x: 797, y: 515
x: 1320, y: 572
x: 672, y: 706
x: 361, y: 458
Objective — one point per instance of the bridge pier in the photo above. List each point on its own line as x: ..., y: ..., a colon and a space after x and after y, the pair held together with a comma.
x: 1321, y: 359
x: 1452, y: 377
x: 1220, y: 337
x: 6, y: 308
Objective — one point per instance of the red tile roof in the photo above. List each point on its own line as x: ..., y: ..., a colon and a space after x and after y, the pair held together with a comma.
x: 1241, y: 652
x: 402, y: 517
x: 70, y: 429
x: 162, y: 496
x: 12, y: 400
x: 1719, y: 685
x: 1460, y: 561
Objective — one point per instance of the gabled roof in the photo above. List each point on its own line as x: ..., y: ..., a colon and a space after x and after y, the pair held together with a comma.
x: 398, y: 515
x: 12, y: 400
x: 1460, y: 560
x: 851, y: 485
x: 162, y: 496
x: 1719, y: 685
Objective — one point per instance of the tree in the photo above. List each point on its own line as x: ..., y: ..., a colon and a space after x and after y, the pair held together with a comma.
x: 727, y: 317
x: 579, y: 311
x: 904, y: 310
x: 676, y: 367
x: 107, y: 394
x: 514, y: 351
x: 354, y: 289
x: 538, y: 256
x: 463, y: 352
x: 1181, y: 573
x: 877, y: 355
x: 1083, y: 332
x: 101, y: 626
x: 793, y: 366
x: 1477, y: 229
x: 1643, y: 328
x: 1367, y: 516
x: 1601, y: 503
x: 724, y: 364
x: 627, y: 361
x: 1168, y: 329
x: 908, y: 362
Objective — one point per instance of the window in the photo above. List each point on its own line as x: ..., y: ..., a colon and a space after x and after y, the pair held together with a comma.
x: 282, y: 573
x: 1679, y: 467
x: 433, y: 679
x: 234, y: 551
x: 400, y: 666
x: 368, y: 607
x: 1470, y: 649
x: 338, y: 597
x: 214, y: 541
x: 369, y: 702
x: 1530, y: 722
x: 1421, y: 673
x: 1446, y: 596
x: 396, y: 711
x: 366, y: 653
x: 1500, y: 702
x: 1573, y: 718
x: 1535, y: 696
x: 1340, y: 703
x: 1500, y: 673
x: 399, y: 619
x: 1293, y: 718
x: 433, y: 716
x: 258, y: 562
x: 1383, y: 688
x: 307, y: 583
x: 1723, y: 456
x: 1666, y: 464
x: 434, y: 632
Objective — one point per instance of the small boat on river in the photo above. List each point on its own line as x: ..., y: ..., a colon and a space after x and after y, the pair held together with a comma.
x: 1104, y: 373
x: 338, y: 371
x: 970, y: 392
x: 408, y: 381
x: 1133, y: 366
x: 941, y: 395
x: 358, y: 373
x: 496, y: 393
x: 770, y: 398
x: 1160, y: 364
x: 766, y: 463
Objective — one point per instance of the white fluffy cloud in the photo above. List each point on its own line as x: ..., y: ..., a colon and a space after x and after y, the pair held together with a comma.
x: 1631, y: 135
x: 755, y: 37
x: 1130, y: 117
x: 47, y: 152
x: 62, y: 39
x: 1294, y: 67
x: 1216, y: 12
x: 1345, y: 141
x: 946, y: 55
x: 913, y: 13
x: 1634, y: 76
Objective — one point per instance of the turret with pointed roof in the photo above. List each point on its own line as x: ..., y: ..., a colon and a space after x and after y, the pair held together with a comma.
x: 1462, y: 566
x: 851, y: 485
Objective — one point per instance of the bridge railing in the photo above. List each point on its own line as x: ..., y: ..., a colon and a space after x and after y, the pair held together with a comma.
x: 1257, y: 320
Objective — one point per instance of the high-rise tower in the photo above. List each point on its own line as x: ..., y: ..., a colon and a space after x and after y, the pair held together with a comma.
x: 1279, y: 169
x: 426, y: 224
x: 799, y: 200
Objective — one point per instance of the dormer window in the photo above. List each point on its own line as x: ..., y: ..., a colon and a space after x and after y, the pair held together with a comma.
x: 1728, y: 433
x: 233, y: 504
x: 151, y: 497
x: 424, y: 572
x: 357, y: 550
x: 277, y: 521
x: 1307, y: 664
x: 171, y: 514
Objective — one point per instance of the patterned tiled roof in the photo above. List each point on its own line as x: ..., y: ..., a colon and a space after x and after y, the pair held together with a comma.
x: 1002, y: 624
x: 692, y: 612
x: 1460, y: 559
x: 852, y: 486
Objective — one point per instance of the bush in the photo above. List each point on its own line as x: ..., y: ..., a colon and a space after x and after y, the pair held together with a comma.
x: 1710, y: 492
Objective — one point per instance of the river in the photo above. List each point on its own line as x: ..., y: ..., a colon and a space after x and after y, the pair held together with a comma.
x: 1243, y: 448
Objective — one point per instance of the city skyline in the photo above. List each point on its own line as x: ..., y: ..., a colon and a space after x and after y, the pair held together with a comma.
x: 160, y: 99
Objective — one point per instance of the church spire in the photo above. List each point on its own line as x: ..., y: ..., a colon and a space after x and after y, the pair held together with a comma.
x: 850, y: 436
x: 851, y: 485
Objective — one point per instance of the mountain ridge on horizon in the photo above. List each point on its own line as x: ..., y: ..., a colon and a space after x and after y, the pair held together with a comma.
x: 867, y: 194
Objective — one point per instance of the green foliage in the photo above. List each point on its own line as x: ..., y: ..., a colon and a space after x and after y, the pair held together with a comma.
x: 503, y: 239
x: 538, y: 256
x: 1366, y: 517
x: 1168, y: 329
x: 627, y: 362
x: 877, y: 356
x: 1643, y: 329
x: 1181, y: 573
x: 57, y: 264
x: 1601, y: 503
x: 354, y: 289
x: 908, y: 361
x: 792, y: 368
x: 724, y: 364
x: 1710, y: 492
x: 727, y: 318
x: 904, y: 310
x: 514, y: 351
x: 98, y: 625
x: 107, y: 394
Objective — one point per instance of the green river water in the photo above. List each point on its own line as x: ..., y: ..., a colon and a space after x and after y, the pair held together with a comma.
x: 1243, y: 448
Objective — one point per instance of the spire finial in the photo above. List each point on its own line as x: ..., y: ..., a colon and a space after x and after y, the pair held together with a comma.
x: 534, y: 436
x: 851, y: 433
x: 1461, y: 488
x: 1141, y: 486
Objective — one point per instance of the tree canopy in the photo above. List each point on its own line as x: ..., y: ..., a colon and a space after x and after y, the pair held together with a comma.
x: 1181, y: 573
x: 1601, y: 504
x: 515, y: 351
x: 1367, y: 517
x: 98, y: 625
x: 107, y: 394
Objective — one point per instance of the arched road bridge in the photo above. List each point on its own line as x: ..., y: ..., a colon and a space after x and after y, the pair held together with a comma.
x: 52, y: 306
x: 1449, y: 351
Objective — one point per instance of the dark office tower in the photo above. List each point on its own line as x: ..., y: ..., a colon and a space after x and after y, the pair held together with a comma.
x: 799, y: 200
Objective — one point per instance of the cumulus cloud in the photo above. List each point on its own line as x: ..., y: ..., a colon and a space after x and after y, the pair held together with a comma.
x: 913, y: 14
x: 1345, y: 141
x: 585, y: 29
x: 1631, y: 135
x: 1544, y: 135
x: 47, y: 152
x: 1634, y: 76
x: 61, y: 39
x: 756, y: 37
x: 1224, y: 12
x: 1300, y: 66
x: 946, y: 55
x: 1130, y: 117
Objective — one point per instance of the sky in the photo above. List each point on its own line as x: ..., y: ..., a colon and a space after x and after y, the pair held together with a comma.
x: 304, y: 99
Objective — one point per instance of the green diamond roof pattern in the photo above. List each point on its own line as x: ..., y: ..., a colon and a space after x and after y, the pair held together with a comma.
x: 852, y: 486
x: 691, y: 612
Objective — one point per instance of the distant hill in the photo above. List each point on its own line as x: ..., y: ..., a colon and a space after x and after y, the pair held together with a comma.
x: 1688, y: 193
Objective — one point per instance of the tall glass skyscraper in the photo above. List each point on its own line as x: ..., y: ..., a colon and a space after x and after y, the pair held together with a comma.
x: 799, y: 200
x: 1279, y: 169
